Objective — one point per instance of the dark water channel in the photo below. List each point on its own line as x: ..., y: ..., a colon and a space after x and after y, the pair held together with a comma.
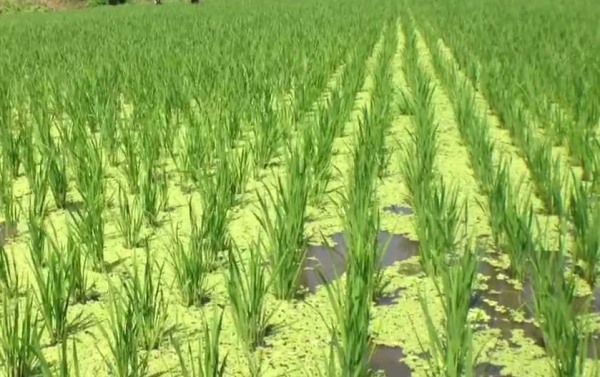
x: 331, y: 261
x: 399, y: 210
x: 387, y: 360
x: 498, y: 300
x: 7, y: 232
x: 508, y: 297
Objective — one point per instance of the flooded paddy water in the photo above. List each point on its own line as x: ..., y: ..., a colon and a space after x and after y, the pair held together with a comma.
x: 222, y: 152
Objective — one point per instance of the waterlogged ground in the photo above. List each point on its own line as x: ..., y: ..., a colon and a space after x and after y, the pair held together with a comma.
x: 298, y: 342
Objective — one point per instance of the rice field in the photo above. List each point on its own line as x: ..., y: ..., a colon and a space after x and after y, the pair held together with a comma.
x: 281, y: 188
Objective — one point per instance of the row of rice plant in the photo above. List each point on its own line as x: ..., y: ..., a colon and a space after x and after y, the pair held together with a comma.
x: 329, y: 123
x: 352, y: 296
x: 437, y: 211
x: 564, y: 100
x: 556, y: 185
x: 450, y: 259
x: 101, y: 141
x: 554, y: 287
x: 511, y: 220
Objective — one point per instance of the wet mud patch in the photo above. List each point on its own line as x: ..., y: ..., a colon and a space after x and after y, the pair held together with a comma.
x: 390, y: 298
x: 330, y: 262
x: 510, y: 309
x: 388, y: 360
x: 7, y: 231
x: 488, y: 370
x: 399, y: 210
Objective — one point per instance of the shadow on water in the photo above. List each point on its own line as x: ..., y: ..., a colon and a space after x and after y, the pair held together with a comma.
x: 399, y: 210
x: 331, y: 262
x: 488, y: 370
x: 387, y: 359
x: 7, y: 231
x: 506, y: 296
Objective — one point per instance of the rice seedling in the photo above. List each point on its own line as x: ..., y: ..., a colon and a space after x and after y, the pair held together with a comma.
x: 28, y: 149
x: 9, y: 140
x: 381, y: 116
x: 89, y: 229
x: 82, y: 289
x: 123, y: 335
x: 451, y: 348
x: 132, y: 163
x: 207, y: 362
x: 233, y: 127
x: 500, y: 198
x: 518, y: 230
x: 66, y: 369
x: 438, y: 211
x: 361, y: 215
x: 10, y: 205
x: 255, y: 362
x: 565, y: 332
x: 37, y: 232
x: 150, y: 144
x: 54, y: 165
x: 153, y: 187
x: 585, y: 215
x: 197, y: 153
x: 349, y: 327
x: 418, y: 160
x: 547, y: 173
x: 191, y: 266
x: 131, y: 219
x: 89, y: 222
x: 247, y: 287
x: 230, y: 176
x: 285, y: 244
x: 267, y: 133
x: 146, y: 296
x: 322, y: 132
x: 54, y: 293
x: 440, y: 225
x: 212, y: 233
x: 9, y: 277
x: 20, y: 348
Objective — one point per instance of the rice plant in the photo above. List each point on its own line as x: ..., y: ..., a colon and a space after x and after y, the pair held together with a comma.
x: 66, y: 368
x: 154, y: 194
x: 566, y: 333
x: 56, y: 167
x: 285, y: 244
x: 9, y: 276
x: 349, y: 327
x: 89, y: 177
x: 212, y: 231
x: 132, y: 163
x: 20, y: 348
x: 82, y: 290
x: 123, y: 334
x: 207, y: 361
x: 191, y: 266
x: 131, y: 219
x: 54, y: 291
x: 146, y: 296
x: 585, y: 215
x: 8, y: 202
x: 451, y: 347
x: 268, y: 133
x: 247, y: 287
